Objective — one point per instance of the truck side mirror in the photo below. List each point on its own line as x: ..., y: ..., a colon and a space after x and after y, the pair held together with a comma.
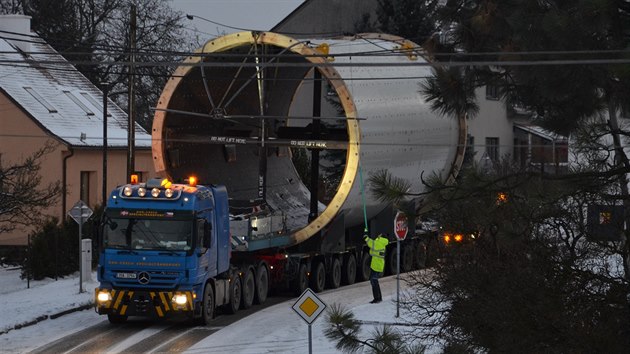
x: 207, y: 235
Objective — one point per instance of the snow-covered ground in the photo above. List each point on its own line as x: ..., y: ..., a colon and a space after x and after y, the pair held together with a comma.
x: 276, y: 329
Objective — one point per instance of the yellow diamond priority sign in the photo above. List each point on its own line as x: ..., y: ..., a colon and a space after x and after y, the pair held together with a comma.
x: 309, y: 306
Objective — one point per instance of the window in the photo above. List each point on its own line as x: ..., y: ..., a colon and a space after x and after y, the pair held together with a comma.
x: 469, y: 153
x: 41, y: 100
x: 88, y: 187
x: 492, y: 92
x: 492, y: 148
x: 200, y: 233
x: 78, y: 102
x: 94, y: 103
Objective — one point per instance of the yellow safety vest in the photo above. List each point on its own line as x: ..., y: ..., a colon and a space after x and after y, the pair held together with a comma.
x: 377, y: 251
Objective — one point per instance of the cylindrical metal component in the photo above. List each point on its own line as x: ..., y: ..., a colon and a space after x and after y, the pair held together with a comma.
x: 373, y: 117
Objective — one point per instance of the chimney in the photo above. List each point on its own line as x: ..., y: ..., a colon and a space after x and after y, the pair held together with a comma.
x: 19, y: 31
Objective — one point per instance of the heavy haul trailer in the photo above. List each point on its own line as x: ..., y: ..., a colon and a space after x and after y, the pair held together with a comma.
x: 292, y: 129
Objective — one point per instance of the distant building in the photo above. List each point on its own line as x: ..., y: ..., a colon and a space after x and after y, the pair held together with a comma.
x: 44, y: 99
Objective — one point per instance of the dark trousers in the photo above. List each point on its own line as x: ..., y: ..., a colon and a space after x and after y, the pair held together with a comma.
x: 376, y: 288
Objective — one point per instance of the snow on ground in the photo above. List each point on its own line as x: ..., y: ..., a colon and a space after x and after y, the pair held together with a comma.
x: 276, y: 329
x: 22, y: 305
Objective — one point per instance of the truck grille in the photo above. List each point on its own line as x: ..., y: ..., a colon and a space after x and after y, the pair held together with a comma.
x: 152, y: 278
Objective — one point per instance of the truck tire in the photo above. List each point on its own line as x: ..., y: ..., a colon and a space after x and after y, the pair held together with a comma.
x: 262, y: 284
x: 406, y: 258
x: 349, y: 270
x: 236, y: 292
x: 334, y: 278
x: 249, y: 288
x: 420, y: 256
x: 364, y: 268
x: 207, y: 305
x: 115, y: 318
x: 301, y: 280
x: 318, y: 277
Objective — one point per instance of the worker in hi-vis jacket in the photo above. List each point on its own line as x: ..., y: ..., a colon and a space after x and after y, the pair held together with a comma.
x: 377, y: 251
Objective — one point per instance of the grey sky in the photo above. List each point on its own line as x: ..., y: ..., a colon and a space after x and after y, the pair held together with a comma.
x: 242, y: 14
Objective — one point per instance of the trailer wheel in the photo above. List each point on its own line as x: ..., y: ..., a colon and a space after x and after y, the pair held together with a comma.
x: 364, y: 269
x: 301, y: 281
x: 318, y: 277
x: 335, y: 274
x: 421, y: 255
x: 349, y: 270
x: 262, y: 284
x: 115, y: 318
x: 249, y: 288
x: 406, y: 258
x: 207, y: 310
x: 236, y: 292
x: 391, y: 261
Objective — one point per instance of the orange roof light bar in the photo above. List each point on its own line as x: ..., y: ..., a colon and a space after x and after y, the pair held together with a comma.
x: 133, y: 179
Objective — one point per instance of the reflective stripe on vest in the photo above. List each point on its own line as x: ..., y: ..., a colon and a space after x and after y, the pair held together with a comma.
x: 374, y: 252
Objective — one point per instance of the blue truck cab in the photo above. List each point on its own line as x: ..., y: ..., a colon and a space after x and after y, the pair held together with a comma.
x: 164, y: 250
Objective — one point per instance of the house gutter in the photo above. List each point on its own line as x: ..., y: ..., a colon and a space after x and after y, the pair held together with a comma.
x: 64, y: 179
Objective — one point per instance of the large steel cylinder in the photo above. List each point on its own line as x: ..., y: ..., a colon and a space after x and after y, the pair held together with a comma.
x: 248, y: 89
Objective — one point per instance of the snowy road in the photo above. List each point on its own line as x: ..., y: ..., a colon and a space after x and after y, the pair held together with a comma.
x: 273, y: 329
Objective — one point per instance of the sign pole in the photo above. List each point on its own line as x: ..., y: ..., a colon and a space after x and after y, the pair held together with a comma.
x: 80, y: 252
x: 309, y: 306
x: 397, y: 277
x: 310, y: 340
x: 76, y: 213
x: 400, y: 230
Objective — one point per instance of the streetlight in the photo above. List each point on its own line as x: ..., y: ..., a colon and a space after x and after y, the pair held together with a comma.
x: 192, y: 17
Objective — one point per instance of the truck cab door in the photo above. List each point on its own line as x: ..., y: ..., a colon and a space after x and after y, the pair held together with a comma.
x: 206, y: 249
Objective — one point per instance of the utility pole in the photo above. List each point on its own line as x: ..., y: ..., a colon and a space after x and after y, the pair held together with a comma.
x: 105, y: 86
x: 131, y: 102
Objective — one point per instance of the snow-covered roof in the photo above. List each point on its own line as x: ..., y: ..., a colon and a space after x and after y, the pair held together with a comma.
x: 60, y: 98
x: 543, y: 133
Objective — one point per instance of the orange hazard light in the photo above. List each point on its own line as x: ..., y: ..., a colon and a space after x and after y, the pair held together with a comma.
x: 192, y: 181
x: 133, y: 179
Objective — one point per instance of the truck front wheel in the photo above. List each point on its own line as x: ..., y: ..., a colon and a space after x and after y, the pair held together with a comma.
x: 207, y: 311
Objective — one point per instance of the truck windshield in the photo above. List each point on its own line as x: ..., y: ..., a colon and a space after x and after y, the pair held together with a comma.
x: 171, y: 235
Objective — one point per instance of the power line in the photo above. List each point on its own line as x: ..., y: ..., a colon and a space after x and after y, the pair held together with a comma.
x: 328, y: 64
x: 383, y: 51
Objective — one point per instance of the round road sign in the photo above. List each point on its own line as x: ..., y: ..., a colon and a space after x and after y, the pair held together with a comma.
x: 400, y: 225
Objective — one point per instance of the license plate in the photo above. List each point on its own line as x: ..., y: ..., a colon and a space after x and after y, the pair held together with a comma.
x: 126, y: 275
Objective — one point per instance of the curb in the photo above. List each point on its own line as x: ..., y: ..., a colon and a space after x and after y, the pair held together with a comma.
x: 45, y: 317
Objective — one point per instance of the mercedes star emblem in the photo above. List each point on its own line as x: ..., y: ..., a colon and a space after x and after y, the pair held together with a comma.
x: 144, y: 278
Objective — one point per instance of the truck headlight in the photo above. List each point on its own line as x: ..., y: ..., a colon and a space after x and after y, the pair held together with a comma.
x: 142, y: 192
x: 180, y: 299
x: 127, y: 191
x: 103, y: 296
x: 155, y: 192
x: 168, y: 193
